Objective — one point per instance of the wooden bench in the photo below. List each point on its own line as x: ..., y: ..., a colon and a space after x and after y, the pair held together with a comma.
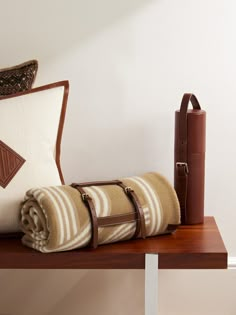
x: 190, y: 247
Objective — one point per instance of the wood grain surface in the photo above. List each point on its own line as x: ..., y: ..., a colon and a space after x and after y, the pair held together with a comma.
x: 190, y: 247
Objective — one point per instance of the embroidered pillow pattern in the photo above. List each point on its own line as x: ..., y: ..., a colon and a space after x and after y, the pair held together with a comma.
x: 10, y: 163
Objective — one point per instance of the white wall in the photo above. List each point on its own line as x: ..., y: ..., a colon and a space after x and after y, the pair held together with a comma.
x: 129, y: 62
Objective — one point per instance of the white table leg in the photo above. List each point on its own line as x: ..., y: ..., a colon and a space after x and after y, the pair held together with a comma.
x: 151, y: 284
x: 231, y: 262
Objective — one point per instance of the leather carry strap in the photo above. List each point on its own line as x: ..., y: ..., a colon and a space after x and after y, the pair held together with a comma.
x: 97, y: 222
x: 182, y: 163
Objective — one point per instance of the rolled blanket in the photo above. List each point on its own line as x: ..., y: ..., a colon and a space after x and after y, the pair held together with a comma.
x: 59, y: 218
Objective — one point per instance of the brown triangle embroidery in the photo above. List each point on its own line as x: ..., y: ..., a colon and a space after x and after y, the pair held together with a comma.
x: 10, y: 163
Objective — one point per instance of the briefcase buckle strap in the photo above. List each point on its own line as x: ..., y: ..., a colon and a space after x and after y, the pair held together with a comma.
x: 183, y: 166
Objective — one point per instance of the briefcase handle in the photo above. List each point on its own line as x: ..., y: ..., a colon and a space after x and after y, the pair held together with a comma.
x: 187, y: 97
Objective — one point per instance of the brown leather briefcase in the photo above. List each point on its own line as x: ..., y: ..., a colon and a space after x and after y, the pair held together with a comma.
x: 189, y: 174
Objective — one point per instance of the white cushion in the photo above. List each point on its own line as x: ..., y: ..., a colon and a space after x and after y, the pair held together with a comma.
x: 31, y: 124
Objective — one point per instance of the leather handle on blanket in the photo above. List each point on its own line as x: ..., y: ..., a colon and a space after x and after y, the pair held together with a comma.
x: 182, y: 163
x: 99, y: 183
x: 137, y: 215
x: 140, y: 225
x: 93, y: 216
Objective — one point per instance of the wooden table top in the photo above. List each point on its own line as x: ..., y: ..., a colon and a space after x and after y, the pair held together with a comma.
x: 190, y: 247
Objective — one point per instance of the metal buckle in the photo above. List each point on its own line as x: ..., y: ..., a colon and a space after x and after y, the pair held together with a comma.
x: 128, y: 190
x: 183, y: 164
x: 85, y: 196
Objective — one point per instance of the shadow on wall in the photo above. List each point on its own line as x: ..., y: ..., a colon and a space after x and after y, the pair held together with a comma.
x: 107, y: 152
x: 103, y: 152
x: 49, y: 28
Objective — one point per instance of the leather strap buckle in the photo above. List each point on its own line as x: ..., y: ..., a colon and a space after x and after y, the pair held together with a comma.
x: 182, y: 165
x: 85, y: 197
x: 128, y: 190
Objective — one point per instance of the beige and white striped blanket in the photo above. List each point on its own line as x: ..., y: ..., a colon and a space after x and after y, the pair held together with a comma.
x: 56, y: 219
